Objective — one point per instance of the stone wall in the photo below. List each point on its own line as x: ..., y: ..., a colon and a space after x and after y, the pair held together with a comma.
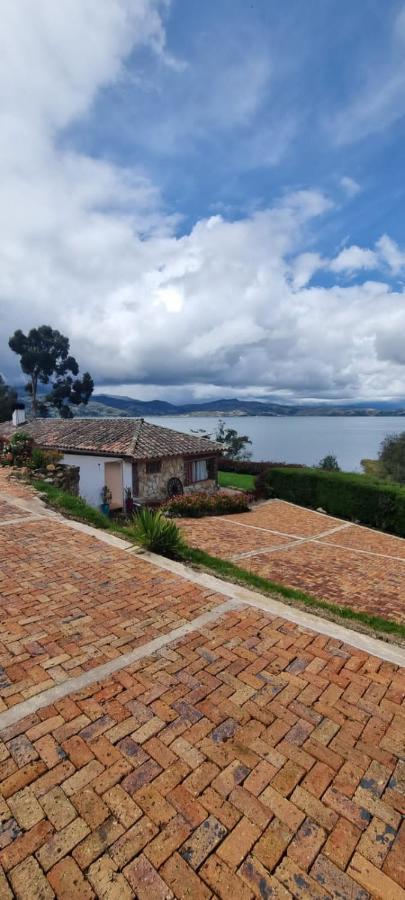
x: 153, y: 486
x: 64, y: 477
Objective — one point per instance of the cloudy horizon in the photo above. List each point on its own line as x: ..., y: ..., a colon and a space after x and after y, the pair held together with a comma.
x: 207, y: 198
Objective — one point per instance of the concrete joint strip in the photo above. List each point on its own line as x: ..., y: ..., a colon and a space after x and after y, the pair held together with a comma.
x: 72, y: 685
x: 18, y: 520
x: 372, y: 646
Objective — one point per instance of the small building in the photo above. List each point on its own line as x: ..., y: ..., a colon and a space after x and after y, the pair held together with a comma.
x: 151, y: 461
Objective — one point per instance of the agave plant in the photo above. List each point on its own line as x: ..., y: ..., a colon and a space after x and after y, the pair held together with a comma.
x: 159, y: 534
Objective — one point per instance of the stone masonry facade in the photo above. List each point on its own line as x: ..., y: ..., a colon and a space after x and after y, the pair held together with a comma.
x: 153, y: 486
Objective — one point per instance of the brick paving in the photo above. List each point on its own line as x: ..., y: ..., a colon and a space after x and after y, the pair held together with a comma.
x: 249, y: 760
x: 352, y: 566
x: 69, y: 603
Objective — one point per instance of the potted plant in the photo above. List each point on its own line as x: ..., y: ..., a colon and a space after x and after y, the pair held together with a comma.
x: 129, y: 502
x: 106, y: 497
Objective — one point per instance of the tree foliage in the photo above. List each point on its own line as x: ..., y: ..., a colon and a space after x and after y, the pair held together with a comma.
x: 44, y: 357
x: 392, y: 457
x: 234, y: 444
x: 8, y: 400
x: 329, y: 463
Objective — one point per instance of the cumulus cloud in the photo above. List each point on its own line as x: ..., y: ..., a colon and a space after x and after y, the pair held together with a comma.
x: 86, y: 245
x: 353, y: 258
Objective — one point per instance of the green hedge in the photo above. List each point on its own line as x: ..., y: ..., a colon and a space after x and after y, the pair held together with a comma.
x: 349, y: 496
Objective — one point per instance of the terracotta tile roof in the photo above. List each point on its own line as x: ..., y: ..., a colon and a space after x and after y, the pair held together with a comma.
x: 116, y: 437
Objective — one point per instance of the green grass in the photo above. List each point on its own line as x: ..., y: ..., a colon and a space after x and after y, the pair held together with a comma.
x: 236, y: 480
x: 230, y: 572
x: 77, y: 508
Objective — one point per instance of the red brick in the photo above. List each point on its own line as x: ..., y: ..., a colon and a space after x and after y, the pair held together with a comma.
x: 273, y: 843
x: 261, y: 882
x: 306, y: 844
x: 341, y: 842
x: 185, y: 884
x: 61, y: 843
x: 25, y: 845
x: 221, y: 879
x: 68, y: 881
x: 28, y: 880
x: 145, y: 880
x: 239, y: 842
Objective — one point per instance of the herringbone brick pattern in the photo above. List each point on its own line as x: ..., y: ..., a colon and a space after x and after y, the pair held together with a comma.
x: 252, y: 759
x: 354, y: 566
x: 69, y: 602
x: 7, y: 511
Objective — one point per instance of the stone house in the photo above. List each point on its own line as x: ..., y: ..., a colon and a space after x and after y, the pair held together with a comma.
x: 151, y: 461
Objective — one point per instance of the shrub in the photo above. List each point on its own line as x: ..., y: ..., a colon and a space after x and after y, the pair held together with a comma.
x: 329, y: 463
x: 40, y: 459
x: 158, y: 534
x: 392, y: 457
x: 250, y: 467
x: 201, y: 504
x: 349, y: 496
x: 18, y: 451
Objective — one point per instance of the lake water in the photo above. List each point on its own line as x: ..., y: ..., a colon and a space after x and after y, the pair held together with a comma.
x: 301, y: 439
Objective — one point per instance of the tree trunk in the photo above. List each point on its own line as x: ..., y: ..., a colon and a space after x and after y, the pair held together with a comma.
x: 34, y: 383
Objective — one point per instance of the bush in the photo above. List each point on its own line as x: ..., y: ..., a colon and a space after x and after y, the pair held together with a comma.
x: 329, y: 463
x: 40, y: 459
x: 349, y: 496
x: 158, y: 534
x: 250, y: 467
x: 391, y: 457
x: 18, y: 451
x: 200, y: 504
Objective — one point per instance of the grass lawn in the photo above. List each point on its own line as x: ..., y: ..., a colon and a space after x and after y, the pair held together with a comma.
x: 236, y: 480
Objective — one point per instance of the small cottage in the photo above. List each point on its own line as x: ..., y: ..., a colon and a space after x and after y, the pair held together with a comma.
x: 151, y: 461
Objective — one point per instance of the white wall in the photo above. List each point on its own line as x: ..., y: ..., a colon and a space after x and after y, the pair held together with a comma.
x: 92, y: 474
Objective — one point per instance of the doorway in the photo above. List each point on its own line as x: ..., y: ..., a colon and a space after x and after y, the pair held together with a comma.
x: 114, y: 483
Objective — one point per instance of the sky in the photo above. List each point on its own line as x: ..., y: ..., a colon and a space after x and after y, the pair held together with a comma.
x: 207, y: 198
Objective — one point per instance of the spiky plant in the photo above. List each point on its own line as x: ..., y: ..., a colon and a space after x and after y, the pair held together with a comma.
x: 158, y: 534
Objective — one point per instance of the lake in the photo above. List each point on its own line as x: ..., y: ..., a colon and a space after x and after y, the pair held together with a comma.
x: 301, y: 439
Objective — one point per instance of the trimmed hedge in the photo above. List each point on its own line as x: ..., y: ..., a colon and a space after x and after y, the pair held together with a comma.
x: 348, y: 496
x: 194, y: 506
x: 250, y: 467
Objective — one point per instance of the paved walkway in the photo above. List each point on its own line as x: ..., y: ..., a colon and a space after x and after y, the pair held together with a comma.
x: 332, y: 559
x: 160, y: 740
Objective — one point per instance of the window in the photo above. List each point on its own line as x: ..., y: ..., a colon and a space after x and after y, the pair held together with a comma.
x: 196, y: 470
x: 153, y: 466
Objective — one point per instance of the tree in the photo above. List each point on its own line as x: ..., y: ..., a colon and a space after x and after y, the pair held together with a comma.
x: 234, y: 443
x: 8, y: 400
x: 44, y: 357
x: 329, y: 463
x: 392, y: 457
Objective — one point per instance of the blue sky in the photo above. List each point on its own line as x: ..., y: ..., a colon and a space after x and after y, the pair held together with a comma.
x: 208, y: 197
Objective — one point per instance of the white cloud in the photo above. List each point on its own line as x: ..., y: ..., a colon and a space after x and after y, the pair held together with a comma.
x: 353, y: 258
x: 86, y: 246
x: 350, y: 186
x: 378, y: 98
x: 391, y: 254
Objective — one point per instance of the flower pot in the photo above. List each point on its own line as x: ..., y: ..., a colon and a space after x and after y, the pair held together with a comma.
x: 105, y: 508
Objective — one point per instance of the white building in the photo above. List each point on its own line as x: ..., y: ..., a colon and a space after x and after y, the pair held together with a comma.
x: 123, y: 454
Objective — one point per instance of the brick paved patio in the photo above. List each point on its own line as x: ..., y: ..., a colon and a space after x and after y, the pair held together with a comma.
x: 254, y: 760
x: 250, y: 758
x: 331, y: 559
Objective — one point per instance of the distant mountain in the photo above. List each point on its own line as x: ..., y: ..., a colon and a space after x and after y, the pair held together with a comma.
x: 102, y: 405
